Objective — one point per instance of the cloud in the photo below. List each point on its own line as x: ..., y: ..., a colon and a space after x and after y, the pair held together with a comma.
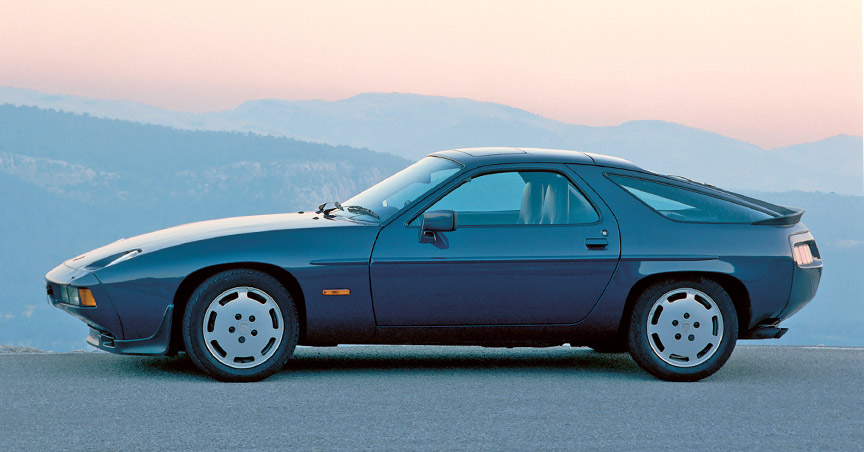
x: 842, y: 243
x: 29, y: 311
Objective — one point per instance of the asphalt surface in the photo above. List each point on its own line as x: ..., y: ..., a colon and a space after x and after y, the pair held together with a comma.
x: 435, y: 398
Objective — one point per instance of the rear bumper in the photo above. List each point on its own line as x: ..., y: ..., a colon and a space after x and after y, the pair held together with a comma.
x: 765, y: 331
x: 805, y: 283
x: 805, y: 278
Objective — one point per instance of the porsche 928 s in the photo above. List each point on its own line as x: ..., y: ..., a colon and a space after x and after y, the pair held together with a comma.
x: 505, y: 247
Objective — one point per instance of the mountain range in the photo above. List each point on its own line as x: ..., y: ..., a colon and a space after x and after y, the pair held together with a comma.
x: 411, y: 126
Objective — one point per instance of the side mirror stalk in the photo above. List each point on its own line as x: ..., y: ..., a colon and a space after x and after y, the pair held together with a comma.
x: 434, y: 222
x: 428, y: 237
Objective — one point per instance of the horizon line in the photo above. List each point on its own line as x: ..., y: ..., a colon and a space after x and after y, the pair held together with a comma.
x: 172, y: 110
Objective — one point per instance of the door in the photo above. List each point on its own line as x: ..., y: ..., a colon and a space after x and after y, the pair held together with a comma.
x: 529, y: 248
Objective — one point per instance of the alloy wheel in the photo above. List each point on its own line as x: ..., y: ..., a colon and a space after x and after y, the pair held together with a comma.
x: 685, y: 327
x: 243, y: 327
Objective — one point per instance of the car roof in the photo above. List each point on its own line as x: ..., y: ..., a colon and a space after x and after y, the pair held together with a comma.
x: 482, y: 156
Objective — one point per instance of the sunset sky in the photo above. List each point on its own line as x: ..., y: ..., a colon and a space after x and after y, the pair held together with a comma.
x: 768, y: 72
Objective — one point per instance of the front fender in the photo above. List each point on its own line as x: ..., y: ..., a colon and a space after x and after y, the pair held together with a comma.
x: 143, y: 287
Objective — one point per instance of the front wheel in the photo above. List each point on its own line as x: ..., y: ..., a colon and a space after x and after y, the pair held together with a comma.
x: 240, y: 325
x: 683, y: 330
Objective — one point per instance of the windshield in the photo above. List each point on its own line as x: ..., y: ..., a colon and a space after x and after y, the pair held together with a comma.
x: 400, y: 189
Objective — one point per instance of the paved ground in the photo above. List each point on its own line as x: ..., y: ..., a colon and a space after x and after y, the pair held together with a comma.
x: 435, y: 398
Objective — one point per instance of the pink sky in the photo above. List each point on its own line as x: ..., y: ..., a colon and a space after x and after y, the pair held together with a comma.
x: 769, y: 72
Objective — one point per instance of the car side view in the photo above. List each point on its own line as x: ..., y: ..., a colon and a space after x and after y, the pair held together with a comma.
x: 500, y: 247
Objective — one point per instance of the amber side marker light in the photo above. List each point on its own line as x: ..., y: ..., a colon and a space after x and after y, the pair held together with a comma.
x: 86, y: 297
x: 336, y: 292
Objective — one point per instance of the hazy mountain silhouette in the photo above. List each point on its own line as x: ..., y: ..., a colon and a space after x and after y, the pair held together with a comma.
x: 411, y: 125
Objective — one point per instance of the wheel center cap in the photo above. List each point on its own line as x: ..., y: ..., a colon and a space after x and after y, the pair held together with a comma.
x: 244, y: 327
x: 685, y: 327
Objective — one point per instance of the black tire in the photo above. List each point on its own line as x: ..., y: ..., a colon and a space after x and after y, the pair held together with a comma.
x: 655, y: 344
x: 279, y: 329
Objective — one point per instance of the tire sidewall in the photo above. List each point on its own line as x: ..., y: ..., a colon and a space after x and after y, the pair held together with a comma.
x: 199, y: 302
x: 638, y: 341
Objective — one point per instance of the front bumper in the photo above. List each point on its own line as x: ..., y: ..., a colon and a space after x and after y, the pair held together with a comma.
x: 103, y: 316
x: 103, y: 320
x: 157, y: 344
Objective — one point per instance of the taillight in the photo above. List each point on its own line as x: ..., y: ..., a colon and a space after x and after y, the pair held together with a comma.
x: 803, y: 254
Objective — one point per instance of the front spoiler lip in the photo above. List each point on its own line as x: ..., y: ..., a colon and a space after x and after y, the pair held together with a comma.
x: 157, y: 344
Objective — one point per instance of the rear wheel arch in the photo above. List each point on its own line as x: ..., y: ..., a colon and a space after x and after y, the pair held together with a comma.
x: 193, y: 280
x: 733, y: 286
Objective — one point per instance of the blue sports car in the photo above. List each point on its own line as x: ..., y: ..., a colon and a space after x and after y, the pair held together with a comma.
x: 501, y: 247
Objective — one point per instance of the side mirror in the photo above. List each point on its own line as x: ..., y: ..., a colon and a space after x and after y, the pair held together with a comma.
x: 436, y: 221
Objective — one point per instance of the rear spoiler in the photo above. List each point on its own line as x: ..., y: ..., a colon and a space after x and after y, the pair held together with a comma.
x: 788, y: 218
x: 785, y: 215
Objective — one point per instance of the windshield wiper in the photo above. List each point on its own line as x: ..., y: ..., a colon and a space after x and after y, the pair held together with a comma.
x: 326, y: 212
x: 361, y: 209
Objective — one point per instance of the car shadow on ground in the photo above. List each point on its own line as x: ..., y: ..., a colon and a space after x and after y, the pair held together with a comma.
x: 753, y: 364
x: 411, y: 360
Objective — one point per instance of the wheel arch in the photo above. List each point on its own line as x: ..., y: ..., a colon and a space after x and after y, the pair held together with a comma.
x: 733, y: 286
x: 194, y: 279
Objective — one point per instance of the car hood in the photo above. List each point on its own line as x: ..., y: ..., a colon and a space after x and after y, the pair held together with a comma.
x: 202, y: 230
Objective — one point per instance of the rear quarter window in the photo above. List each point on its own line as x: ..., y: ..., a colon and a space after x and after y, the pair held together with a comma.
x: 682, y: 204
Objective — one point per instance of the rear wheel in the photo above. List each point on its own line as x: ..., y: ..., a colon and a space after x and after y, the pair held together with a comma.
x: 683, y: 330
x: 240, y: 325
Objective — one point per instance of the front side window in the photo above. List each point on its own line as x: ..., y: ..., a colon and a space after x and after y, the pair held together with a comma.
x: 517, y: 197
x: 681, y: 204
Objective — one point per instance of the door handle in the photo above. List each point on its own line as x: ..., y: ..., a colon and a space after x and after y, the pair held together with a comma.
x: 600, y: 242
